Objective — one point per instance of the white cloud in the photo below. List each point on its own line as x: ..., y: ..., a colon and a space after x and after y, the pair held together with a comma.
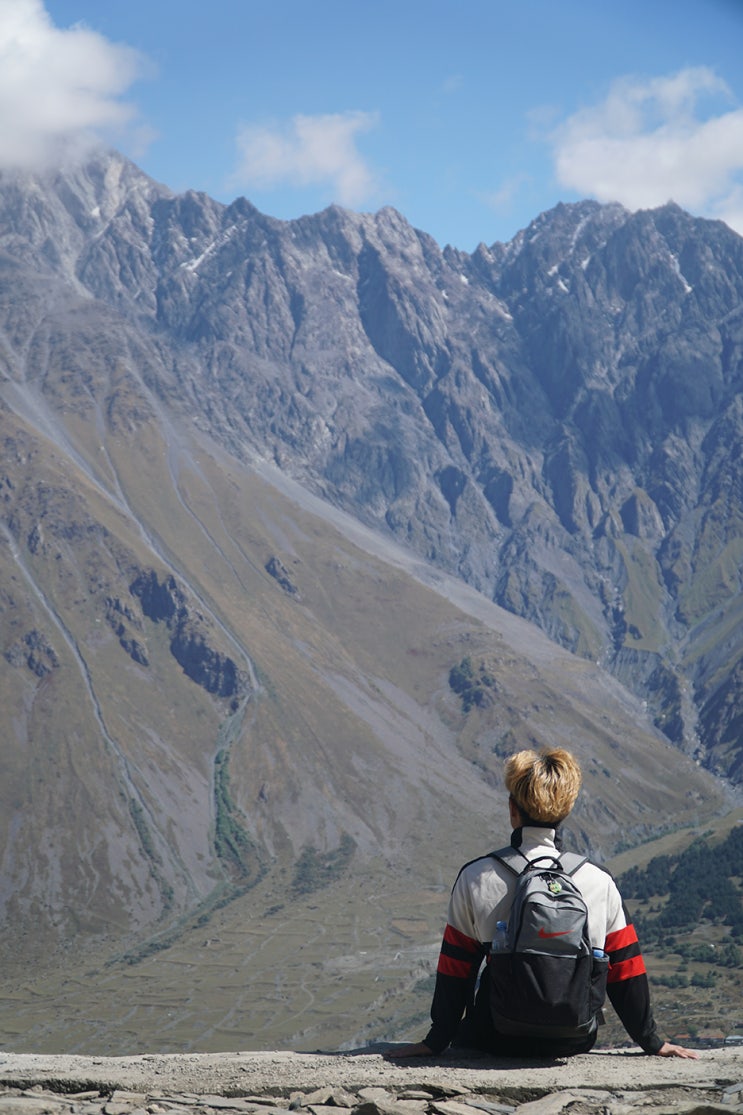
x: 60, y: 89
x: 308, y: 151
x: 653, y: 141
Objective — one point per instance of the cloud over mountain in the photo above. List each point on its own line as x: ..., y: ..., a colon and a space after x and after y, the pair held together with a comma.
x: 675, y: 138
x: 61, y: 90
x: 309, y: 150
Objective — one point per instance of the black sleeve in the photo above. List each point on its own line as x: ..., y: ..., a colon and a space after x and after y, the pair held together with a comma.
x: 459, y: 963
x: 628, y: 988
x: 631, y: 1001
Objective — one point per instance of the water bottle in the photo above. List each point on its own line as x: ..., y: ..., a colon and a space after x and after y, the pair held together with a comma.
x: 499, y: 943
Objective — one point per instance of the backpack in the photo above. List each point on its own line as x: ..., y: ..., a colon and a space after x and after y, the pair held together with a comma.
x: 546, y: 981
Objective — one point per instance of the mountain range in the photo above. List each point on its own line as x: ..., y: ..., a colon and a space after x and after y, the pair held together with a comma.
x: 306, y: 525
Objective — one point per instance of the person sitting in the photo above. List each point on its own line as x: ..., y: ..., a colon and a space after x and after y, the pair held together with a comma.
x: 542, y: 791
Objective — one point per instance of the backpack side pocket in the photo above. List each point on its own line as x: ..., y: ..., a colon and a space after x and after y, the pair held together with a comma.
x: 599, y: 976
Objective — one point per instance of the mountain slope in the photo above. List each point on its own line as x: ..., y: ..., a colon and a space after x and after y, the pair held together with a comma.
x: 180, y: 606
x: 226, y: 681
x: 136, y: 784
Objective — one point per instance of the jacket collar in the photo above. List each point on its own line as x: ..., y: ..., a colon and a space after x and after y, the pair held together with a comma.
x: 536, y: 836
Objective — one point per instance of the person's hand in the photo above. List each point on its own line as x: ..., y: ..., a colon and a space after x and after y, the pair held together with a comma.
x: 412, y: 1049
x: 668, y: 1050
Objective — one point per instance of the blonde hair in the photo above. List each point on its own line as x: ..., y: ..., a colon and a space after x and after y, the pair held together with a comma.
x: 544, y: 786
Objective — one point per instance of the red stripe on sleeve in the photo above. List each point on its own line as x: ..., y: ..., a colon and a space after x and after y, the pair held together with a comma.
x: 626, y: 969
x: 453, y: 936
x: 620, y: 938
x: 448, y: 966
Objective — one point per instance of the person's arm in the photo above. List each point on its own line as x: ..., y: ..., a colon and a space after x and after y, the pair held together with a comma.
x: 628, y: 988
x: 459, y: 962
x: 627, y: 985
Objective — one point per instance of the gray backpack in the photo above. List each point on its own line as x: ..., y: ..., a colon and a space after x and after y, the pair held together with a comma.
x: 546, y: 981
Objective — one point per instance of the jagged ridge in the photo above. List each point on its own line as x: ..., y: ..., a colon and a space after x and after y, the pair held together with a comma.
x: 556, y: 420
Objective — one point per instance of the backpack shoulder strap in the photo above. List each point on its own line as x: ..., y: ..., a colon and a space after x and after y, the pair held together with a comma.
x: 511, y: 858
x: 571, y: 861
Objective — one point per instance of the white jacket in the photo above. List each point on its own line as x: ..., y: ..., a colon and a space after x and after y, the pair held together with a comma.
x: 483, y: 894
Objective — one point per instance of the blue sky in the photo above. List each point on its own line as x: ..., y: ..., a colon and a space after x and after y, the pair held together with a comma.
x: 471, y: 117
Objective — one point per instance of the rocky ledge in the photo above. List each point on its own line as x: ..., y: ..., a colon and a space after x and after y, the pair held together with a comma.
x: 362, y: 1082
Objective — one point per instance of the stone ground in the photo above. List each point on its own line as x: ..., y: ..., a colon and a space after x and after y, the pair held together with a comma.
x: 617, y: 1082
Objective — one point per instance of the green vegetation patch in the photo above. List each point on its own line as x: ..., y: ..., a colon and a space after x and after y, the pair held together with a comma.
x: 232, y: 844
x: 701, y: 884
x: 148, y: 847
x: 235, y: 851
x: 314, y: 869
x: 642, y: 598
x: 715, y: 579
x: 688, y: 910
x: 573, y: 628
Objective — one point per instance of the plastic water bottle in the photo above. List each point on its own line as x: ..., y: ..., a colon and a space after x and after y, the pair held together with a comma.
x: 499, y: 943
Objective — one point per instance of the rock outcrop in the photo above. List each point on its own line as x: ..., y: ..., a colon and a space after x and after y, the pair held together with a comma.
x: 165, y: 602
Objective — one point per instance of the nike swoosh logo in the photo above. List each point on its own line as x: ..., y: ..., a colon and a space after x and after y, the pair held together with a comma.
x: 544, y: 936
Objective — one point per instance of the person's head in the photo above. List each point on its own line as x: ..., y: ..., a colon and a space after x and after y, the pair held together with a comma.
x: 543, y: 786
